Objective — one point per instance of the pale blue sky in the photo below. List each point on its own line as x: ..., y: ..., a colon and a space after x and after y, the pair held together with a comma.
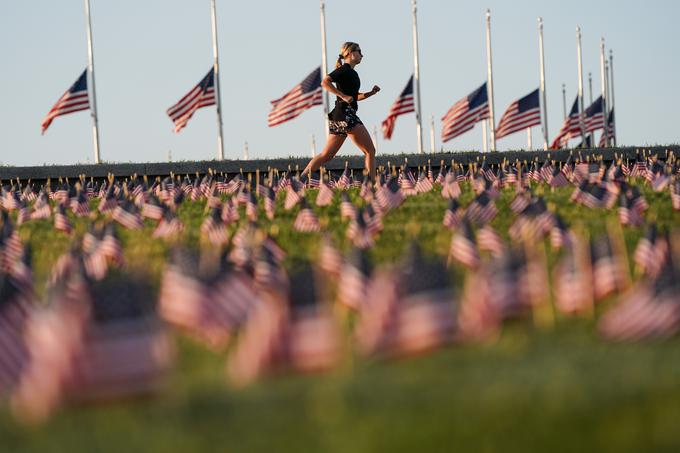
x: 148, y: 53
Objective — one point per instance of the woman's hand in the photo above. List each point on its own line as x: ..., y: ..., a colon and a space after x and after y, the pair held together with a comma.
x: 375, y: 89
x: 347, y: 99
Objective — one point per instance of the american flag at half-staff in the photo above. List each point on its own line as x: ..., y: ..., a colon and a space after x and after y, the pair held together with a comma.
x: 404, y: 104
x: 594, y: 116
x: 202, y: 95
x: 523, y: 113
x: 74, y: 100
x: 304, y: 95
x: 602, y: 143
x: 571, y: 127
x: 465, y: 113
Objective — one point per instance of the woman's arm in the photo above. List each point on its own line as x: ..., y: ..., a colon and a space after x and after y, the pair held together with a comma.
x: 368, y: 94
x: 327, y: 84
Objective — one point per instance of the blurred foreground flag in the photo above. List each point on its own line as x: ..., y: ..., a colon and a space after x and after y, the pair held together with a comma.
x: 404, y: 104
x: 523, y: 113
x: 304, y: 95
x: 202, y: 95
x: 465, y: 113
x: 74, y: 100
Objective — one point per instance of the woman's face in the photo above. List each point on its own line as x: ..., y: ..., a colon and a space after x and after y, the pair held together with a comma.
x: 356, y: 56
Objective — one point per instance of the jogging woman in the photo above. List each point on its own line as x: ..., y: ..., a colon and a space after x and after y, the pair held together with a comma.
x: 343, y: 119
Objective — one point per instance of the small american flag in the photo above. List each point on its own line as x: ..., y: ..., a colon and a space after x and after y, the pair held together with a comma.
x: 644, y: 313
x: 14, y: 311
x: 214, y: 229
x: 305, y: 95
x: 453, y: 215
x: 202, y: 95
x: 522, y: 114
x: 306, y: 221
x: 464, y: 247
x: 465, y: 113
x: 354, y: 279
x: 404, y: 104
x: 61, y: 221
x: 490, y: 241
x: 74, y: 100
x: 325, y: 195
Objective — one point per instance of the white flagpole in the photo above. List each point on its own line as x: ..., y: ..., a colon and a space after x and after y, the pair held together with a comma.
x: 603, y: 83
x: 432, y: 144
x: 489, y: 68
x: 485, y: 146
x: 375, y: 137
x: 611, y: 78
x: 529, y: 144
x: 324, y: 65
x: 93, y: 101
x: 543, y: 95
x: 590, y: 91
x: 216, y: 67
x: 416, y: 77
x: 580, y: 83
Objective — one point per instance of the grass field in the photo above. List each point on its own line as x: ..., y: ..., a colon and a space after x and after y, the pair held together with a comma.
x: 557, y: 389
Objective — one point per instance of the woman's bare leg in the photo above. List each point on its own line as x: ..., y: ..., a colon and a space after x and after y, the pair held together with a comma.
x: 362, y: 139
x: 330, y: 150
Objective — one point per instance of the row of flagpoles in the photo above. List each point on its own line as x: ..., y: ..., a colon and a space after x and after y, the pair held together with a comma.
x: 478, y: 106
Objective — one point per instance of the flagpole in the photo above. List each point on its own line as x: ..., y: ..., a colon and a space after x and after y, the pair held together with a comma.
x: 543, y: 95
x: 90, y: 67
x: 603, y: 82
x: 324, y: 65
x: 375, y: 137
x: 432, y: 144
x: 606, y: 82
x: 611, y: 78
x: 485, y: 146
x: 580, y: 84
x: 489, y: 67
x: 416, y: 77
x: 216, y: 70
x: 564, y: 101
x: 590, y: 91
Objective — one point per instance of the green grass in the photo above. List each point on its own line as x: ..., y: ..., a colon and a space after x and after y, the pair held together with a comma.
x: 559, y: 389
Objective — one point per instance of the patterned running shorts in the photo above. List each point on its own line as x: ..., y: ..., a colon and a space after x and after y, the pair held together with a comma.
x: 341, y: 127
